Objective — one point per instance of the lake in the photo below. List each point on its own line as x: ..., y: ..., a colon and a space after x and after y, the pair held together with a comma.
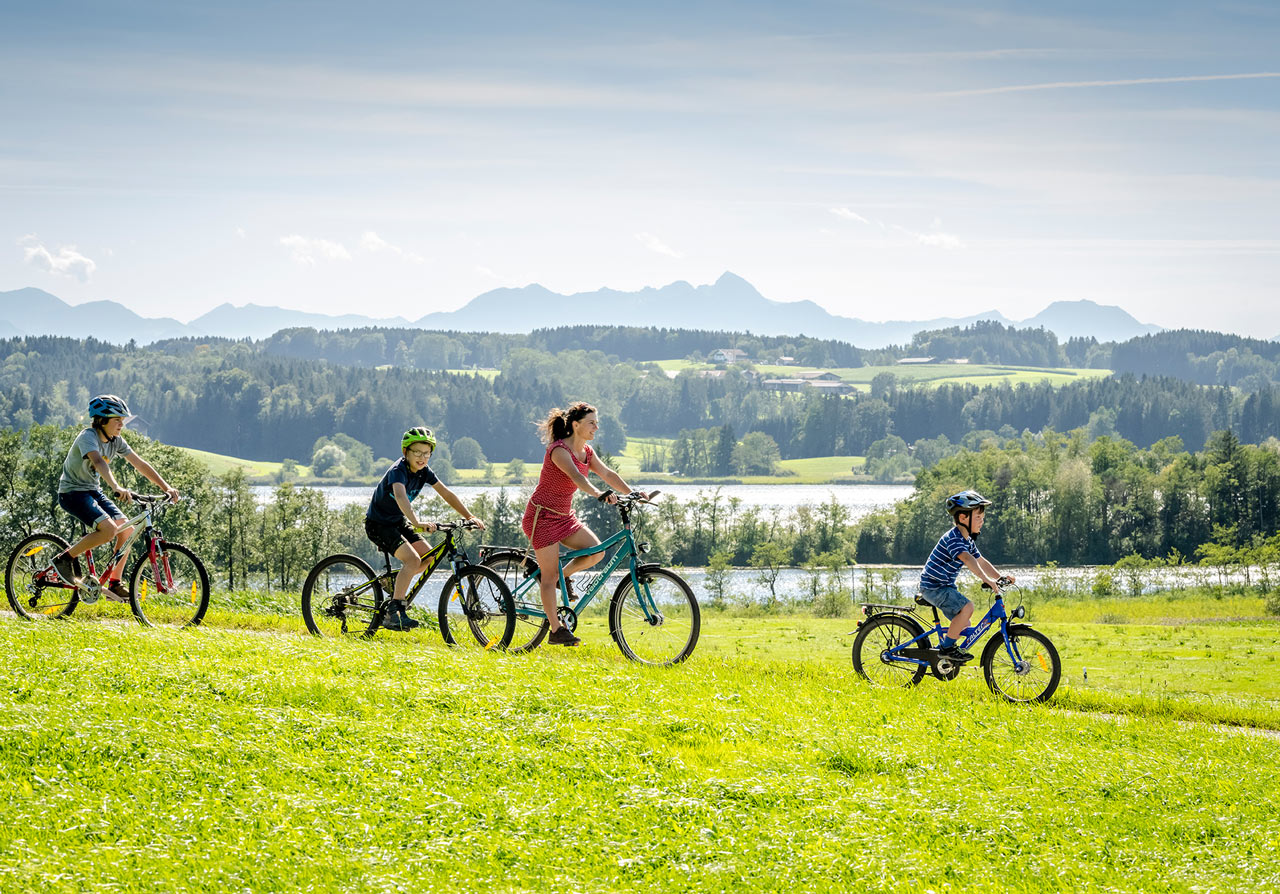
x: 859, y: 499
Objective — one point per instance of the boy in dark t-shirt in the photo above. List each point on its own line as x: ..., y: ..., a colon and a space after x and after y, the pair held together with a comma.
x: 392, y: 525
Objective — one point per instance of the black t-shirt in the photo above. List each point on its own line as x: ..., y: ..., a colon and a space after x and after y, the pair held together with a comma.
x: 383, y: 506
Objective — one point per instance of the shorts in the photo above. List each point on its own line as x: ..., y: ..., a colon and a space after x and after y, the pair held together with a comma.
x: 390, y: 536
x: 90, y: 506
x: 947, y: 600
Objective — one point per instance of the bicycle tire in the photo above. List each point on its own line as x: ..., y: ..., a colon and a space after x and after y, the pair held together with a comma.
x: 1037, y: 680
x: 334, y: 604
x: 664, y: 640
x: 513, y: 566
x: 29, y: 564
x: 476, y: 610
x: 879, y: 634
x: 172, y: 590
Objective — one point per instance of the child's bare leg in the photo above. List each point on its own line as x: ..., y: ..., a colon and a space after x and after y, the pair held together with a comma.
x: 411, y: 561
x: 960, y: 621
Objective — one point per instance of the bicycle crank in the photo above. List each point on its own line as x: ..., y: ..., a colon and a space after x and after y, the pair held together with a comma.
x: 568, y: 617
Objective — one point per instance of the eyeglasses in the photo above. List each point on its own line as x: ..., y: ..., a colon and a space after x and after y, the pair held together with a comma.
x: 419, y: 454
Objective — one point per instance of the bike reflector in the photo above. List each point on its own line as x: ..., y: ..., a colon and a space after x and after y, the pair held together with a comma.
x: 193, y: 592
x: 1042, y: 661
x: 142, y: 591
x: 35, y: 549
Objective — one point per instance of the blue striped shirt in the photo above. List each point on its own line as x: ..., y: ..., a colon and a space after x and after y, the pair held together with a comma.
x: 944, y: 562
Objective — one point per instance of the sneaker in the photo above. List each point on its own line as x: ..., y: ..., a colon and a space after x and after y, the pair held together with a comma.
x: 116, y: 591
x: 569, y: 593
x: 563, y: 637
x: 394, y: 618
x: 66, y: 568
x: 955, y: 653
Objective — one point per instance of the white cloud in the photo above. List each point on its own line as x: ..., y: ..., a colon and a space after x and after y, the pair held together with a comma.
x: 240, y: 234
x: 1126, y: 82
x: 67, y: 261
x: 848, y: 214
x: 654, y: 244
x: 939, y: 240
x: 373, y: 243
x: 306, y: 251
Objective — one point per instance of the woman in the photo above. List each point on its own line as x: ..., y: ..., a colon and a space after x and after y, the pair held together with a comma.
x: 549, y: 520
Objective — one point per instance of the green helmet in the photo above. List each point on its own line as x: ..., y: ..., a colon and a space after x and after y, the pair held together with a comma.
x: 418, y: 435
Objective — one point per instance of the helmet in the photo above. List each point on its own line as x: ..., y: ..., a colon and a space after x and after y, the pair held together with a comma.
x: 418, y: 435
x: 106, y: 406
x: 965, y: 501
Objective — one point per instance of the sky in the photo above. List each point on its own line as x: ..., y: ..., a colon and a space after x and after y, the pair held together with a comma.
x: 890, y: 161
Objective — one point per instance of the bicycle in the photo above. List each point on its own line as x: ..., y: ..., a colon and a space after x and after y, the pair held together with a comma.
x: 167, y: 584
x: 893, y: 648
x: 653, y: 615
x: 343, y: 595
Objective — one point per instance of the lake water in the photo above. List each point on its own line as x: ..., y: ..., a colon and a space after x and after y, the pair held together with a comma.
x: 859, y: 499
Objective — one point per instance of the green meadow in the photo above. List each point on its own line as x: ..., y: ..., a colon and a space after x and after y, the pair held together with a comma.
x: 920, y: 373
x: 246, y: 756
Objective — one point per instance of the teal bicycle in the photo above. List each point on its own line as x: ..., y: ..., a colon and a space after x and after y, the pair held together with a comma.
x: 653, y: 615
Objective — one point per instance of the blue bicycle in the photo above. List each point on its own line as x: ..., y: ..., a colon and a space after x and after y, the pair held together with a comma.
x: 893, y: 648
x: 653, y: 615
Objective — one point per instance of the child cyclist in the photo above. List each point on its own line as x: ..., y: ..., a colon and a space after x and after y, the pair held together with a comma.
x: 80, y: 491
x: 956, y: 548
x: 392, y: 525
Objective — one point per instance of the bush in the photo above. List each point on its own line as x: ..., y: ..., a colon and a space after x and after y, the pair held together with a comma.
x: 467, y: 454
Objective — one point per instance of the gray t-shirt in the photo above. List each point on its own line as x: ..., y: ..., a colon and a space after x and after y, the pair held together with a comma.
x: 77, y: 472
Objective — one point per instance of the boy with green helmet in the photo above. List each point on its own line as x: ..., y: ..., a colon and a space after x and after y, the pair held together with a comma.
x: 391, y: 523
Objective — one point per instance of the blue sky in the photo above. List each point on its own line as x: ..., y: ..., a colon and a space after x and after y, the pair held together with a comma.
x: 887, y: 160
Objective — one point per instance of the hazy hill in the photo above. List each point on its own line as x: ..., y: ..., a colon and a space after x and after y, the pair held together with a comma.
x: 730, y: 303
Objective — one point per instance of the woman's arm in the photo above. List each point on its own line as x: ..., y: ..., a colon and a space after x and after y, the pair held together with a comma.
x: 610, y: 477
x: 564, y: 462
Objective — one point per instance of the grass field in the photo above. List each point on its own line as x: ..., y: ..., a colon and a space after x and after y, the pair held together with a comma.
x: 811, y: 470
x: 220, y: 464
x: 922, y: 373
x: 227, y: 758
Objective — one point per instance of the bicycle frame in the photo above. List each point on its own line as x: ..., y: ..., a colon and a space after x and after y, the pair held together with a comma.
x: 908, y: 652
x: 94, y: 580
x: 434, y: 557
x: 532, y: 608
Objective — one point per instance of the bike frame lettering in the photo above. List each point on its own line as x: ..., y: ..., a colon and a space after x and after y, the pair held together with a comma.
x: 626, y: 553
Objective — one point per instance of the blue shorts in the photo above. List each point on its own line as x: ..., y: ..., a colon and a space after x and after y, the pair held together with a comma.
x: 947, y: 600
x: 90, y: 506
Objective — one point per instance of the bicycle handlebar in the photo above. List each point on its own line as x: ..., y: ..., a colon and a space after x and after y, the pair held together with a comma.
x: 460, y: 525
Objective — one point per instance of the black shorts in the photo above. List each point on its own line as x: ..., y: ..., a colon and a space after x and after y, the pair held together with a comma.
x: 390, y: 536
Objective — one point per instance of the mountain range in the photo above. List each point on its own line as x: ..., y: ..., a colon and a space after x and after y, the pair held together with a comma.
x: 730, y: 303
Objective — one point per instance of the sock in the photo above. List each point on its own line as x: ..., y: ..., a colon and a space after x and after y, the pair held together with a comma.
x: 945, y: 642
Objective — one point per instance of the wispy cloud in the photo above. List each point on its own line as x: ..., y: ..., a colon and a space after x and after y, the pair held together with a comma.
x: 66, y: 261
x: 849, y: 214
x: 375, y: 244
x: 1123, y: 82
x: 307, y: 252
x: 654, y: 244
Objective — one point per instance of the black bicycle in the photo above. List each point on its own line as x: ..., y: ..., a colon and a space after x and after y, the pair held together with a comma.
x: 344, y: 596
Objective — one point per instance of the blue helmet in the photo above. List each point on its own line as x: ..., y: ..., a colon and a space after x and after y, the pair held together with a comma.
x: 965, y: 501
x: 106, y: 406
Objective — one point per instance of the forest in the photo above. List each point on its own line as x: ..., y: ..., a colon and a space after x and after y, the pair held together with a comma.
x: 238, y: 398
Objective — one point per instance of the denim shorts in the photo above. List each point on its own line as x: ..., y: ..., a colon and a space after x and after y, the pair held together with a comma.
x: 90, y: 506
x: 947, y: 600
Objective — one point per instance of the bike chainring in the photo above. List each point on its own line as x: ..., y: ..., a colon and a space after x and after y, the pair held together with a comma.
x: 568, y: 617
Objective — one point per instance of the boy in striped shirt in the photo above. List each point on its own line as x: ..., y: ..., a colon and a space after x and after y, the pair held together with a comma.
x: 957, y: 549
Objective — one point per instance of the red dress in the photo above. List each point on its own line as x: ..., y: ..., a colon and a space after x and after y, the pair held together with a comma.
x: 549, y: 516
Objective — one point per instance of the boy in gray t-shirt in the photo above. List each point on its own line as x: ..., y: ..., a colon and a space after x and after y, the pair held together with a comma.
x: 80, y: 491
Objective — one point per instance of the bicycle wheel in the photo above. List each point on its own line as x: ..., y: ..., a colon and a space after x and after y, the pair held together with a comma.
x: 1031, y: 675
x: 876, y: 636
x: 476, y: 611
x: 171, y: 589
x: 35, y: 590
x: 341, y: 597
x: 658, y: 624
x: 513, y: 566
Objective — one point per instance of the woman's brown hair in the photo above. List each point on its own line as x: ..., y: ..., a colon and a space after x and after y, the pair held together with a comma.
x: 559, y: 423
